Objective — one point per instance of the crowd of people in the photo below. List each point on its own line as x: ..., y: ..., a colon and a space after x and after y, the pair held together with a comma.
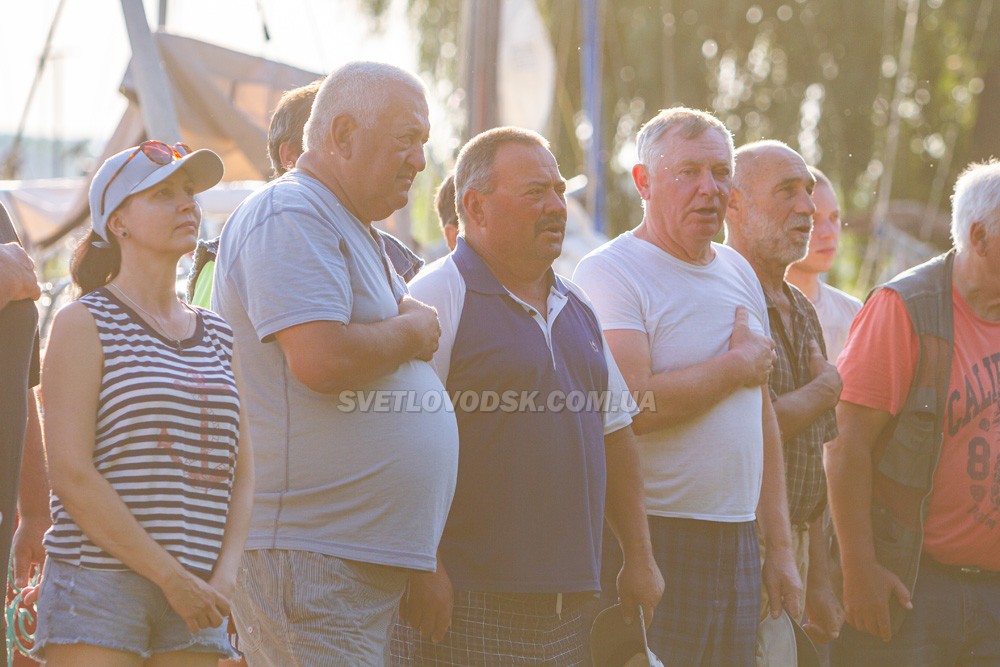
x: 364, y: 460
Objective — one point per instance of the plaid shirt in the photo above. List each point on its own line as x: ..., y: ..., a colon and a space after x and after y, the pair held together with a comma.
x: 804, y: 453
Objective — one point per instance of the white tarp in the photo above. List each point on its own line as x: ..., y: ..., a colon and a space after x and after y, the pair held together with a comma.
x: 526, y: 67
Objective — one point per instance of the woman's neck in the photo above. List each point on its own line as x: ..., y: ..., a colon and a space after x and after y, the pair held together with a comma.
x: 151, y: 282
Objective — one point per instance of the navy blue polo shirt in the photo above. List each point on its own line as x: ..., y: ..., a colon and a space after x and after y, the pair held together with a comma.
x: 529, y: 503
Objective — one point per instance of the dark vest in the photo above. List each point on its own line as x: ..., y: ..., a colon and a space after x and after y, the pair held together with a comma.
x: 908, y: 449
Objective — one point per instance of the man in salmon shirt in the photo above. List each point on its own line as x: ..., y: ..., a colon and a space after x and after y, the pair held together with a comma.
x: 914, y: 475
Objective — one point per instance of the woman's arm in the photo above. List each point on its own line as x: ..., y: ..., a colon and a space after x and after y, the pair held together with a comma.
x: 71, y: 378
x: 240, y: 506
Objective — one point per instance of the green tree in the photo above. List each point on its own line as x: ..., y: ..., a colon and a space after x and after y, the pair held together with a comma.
x: 818, y: 74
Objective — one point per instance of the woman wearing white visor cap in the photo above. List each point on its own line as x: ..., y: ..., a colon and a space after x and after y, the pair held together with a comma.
x: 151, y: 480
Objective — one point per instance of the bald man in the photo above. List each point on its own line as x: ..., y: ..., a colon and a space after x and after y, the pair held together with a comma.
x: 769, y: 222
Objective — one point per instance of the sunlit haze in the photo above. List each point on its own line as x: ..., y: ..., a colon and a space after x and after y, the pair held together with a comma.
x: 78, y: 96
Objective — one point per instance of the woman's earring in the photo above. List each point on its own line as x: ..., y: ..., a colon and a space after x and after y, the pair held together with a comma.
x: 124, y: 235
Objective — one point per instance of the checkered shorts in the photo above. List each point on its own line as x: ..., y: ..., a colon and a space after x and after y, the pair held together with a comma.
x: 494, y: 629
x: 709, y: 610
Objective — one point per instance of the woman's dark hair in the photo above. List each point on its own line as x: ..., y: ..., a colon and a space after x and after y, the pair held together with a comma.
x: 93, y: 266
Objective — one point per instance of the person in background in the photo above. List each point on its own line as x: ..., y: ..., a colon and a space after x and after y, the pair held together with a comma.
x: 24, y: 488
x: 445, y: 203
x: 913, y: 474
x: 284, y: 146
x: 836, y: 309
x: 151, y: 471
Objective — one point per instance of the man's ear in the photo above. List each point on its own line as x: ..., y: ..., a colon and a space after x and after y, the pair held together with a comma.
x: 472, y: 201
x: 341, y: 137
x: 735, y: 209
x: 451, y: 236
x: 640, y: 176
x: 288, y: 155
x: 978, y: 235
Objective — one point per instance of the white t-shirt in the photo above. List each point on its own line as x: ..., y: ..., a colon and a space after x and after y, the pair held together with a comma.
x: 836, y: 311
x: 710, y: 467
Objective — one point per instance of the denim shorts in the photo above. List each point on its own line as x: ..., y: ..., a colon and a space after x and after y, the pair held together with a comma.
x: 117, y: 610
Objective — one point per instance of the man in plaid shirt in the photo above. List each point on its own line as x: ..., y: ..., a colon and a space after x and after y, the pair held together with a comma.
x: 769, y: 221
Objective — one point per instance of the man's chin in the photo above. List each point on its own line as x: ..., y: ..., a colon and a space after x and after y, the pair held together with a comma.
x: 552, y: 251
x: 388, y: 206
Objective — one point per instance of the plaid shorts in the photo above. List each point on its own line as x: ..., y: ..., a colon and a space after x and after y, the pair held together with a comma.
x: 709, y: 611
x: 494, y: 629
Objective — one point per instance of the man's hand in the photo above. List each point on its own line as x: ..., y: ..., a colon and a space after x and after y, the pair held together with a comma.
x: 26, y: 548
x: 427, y: 603
x: 17, y: 275
x: 424, y: 324
x: 781, y: 578
x: 640, y: 584
x: 824, y: 615
x: 867, y: 589
x: 825, y: 374
x: 755, y: 351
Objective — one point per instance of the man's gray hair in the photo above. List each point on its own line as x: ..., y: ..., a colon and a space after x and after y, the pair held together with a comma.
x: 474, y: 168
x: 976, y: 199
x: 690, y: 124
x: 359, y: 89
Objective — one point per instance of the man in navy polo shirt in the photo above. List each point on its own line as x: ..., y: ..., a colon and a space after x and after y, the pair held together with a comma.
x: 544, y: 428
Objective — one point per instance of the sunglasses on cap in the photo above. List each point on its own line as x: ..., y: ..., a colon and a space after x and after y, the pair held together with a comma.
x: 157, y: 152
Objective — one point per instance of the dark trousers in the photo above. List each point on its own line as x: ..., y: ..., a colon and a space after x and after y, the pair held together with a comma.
x: 955, y: 621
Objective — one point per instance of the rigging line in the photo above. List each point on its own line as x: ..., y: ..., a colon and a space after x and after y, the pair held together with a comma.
x: 10, y: 161
x: 263, y: 21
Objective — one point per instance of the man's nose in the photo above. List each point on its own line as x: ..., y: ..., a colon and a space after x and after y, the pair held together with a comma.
x: 805, y: 204
x: 707, y: 183
x: 555, y: 202
x: 417, y: 158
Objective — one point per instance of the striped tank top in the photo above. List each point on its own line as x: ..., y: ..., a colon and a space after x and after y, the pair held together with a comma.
x: 166, y: 436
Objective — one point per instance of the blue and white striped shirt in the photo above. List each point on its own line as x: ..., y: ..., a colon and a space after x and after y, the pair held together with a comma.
x: 167, y: 427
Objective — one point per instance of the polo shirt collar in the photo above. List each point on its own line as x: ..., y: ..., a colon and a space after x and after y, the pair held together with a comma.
x: 479, y: 278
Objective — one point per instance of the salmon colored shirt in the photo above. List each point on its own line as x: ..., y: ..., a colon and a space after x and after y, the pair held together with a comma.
x: 877, y: 365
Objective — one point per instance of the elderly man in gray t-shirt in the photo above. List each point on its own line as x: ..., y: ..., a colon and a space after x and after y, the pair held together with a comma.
x: 356, y: 453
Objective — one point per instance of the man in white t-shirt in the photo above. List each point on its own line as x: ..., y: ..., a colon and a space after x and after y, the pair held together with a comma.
x: 836, y: 309
x: 686, y: 321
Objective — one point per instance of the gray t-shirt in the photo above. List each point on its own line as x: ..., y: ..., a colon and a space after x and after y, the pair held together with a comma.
x: 336, y: 473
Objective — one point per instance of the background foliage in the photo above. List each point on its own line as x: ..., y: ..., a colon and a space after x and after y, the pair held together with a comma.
x: 819, y: 74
